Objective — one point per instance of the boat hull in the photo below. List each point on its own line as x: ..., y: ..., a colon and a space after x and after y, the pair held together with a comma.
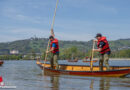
x: 1, y: 63
x: 114, y: 73
x: 120, y: 72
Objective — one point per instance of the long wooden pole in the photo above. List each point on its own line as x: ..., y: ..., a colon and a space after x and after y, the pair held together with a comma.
x: 53, y: 22
x: 47, y: 50
x: 91, y: 63
x: 52, y: 31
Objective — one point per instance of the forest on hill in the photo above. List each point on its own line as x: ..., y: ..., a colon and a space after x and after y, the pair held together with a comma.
x: 37, y: 46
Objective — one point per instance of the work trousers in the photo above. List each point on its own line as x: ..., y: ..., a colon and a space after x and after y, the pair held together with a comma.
x: 54, y: 60
x: 104, y: 58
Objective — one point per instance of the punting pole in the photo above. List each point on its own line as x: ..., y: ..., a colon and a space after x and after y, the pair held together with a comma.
x: 91, y: 63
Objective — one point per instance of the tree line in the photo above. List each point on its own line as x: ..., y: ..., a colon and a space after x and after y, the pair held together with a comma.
x: 65, y: 54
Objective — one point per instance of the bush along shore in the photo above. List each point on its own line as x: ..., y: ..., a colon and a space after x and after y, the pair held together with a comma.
x: 72, y: 52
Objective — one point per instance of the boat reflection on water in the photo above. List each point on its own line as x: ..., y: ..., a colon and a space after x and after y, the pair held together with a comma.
x: 54, y: 80
x: 101, y: 84
x: 104, y: 84
x: 91, y: 85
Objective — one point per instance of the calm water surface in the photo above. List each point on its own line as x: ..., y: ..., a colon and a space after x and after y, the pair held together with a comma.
x: 26, y: 75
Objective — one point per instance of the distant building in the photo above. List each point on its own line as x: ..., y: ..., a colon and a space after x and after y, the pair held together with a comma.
x: 14, y: 52
x: 124, y: 48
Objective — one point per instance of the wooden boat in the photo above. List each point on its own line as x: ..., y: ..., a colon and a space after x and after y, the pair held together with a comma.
x: 73, y: 59
x: 76, y: 60
x: 116, y: 71
x: 1, y: 62
x: 86, y: 61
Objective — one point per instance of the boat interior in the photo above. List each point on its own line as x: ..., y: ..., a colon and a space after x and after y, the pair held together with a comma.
x: 83, y: 68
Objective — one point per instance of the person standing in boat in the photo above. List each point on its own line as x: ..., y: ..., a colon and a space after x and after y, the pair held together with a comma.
x: 54, y: 49
x: 104, y: 49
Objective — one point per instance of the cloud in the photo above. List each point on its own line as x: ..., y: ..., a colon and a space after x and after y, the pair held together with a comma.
x: 75, y: 20
x: 25, y: 33
x: 71, y: 36
x: 95, y: 6
x: 8, y: 38
x: 29, y: 32
x: 36, y: 20
x: 45, y: 33
x: 108, y: 9
x: 11, y: 34
x: 73, y: 3
x: 14, y: 14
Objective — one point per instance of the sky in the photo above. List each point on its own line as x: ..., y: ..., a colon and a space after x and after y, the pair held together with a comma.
x: 77, y: 20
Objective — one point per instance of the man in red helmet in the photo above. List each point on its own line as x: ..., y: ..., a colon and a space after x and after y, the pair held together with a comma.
x: 104, y: 49
x: 54, y: 49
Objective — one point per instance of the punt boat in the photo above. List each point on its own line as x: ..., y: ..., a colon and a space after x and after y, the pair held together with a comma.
x: 1, y: 62
x: 81, y: 70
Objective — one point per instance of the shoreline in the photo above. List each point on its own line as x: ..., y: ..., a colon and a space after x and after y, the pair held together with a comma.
x: 112, y: 59
x: 117, y: 59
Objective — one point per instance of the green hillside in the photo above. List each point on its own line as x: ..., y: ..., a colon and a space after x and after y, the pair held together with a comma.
x: 120, y: 44
x: 38, y: 45
x: 33, y: 47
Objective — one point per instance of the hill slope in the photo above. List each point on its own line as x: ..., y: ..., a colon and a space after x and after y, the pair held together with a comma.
x: 39, y: 45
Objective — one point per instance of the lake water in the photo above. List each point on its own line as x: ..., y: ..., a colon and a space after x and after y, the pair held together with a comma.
x: 26, y: 75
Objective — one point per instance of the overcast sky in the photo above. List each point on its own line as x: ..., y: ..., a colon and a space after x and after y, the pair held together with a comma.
x: 75, y: 20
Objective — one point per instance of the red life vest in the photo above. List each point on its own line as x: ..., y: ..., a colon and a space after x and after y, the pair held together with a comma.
x: 57, y: 45
x: 106, y: 47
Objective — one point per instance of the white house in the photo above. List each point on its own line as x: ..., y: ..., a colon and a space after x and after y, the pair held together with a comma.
x: 14, y: 52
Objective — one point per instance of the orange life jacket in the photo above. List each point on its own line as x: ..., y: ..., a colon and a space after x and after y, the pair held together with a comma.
x: 106, y: 47
x: 57, y: 45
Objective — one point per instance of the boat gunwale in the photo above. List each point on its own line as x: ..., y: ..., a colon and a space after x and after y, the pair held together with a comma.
x: 86, y: 65
x: 88, y: 71
x: 85, y: 71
